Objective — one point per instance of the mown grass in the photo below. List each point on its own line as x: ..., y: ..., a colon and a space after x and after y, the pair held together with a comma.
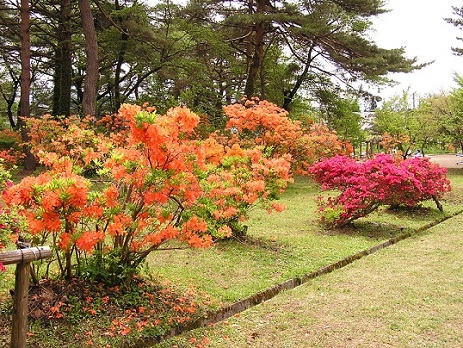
x: 279, y: 246
x: 408, y: 295
x: 289, y: 244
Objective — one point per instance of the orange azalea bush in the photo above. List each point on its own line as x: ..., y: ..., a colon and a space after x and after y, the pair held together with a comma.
x: 9, y: 158
x: 53, y: 204
x: 77, y: 139
x: 162, y: 184
x: 240, y: 179
x: 266, y: 124
x: 11, y: 222
x: 10, y: 151
x: 395, y: 145
x: 115, y: 128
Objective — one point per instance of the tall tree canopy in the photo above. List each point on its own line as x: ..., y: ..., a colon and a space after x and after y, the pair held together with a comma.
x: 457, y: 21
x: 321, y: 41
x: 205, y: 53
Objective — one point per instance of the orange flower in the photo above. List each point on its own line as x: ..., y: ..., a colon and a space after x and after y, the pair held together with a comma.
x: 74, y: 217
x: 78, y: 192
x: 50, y: 200
x: 169, y: 232
x: 87, y: 241
x: 94, y: 210
x: 195, y: 224
x: 278, y: 207
x: 184, y: 118
x: 250, y: 197
x: 235, y: 150
x: 65, y: 241
x: 125, y: 330
x: 111, y: 194
x: 129, y: 110
x: 155, y: 197
x: 119, y: 224
x: 225, y: 231
x: 35, y: 225
x: 256, y: 186
x: 52, y: 221
x: 229, y: 212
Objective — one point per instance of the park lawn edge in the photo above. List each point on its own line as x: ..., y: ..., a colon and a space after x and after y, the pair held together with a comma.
x: 216, y: 316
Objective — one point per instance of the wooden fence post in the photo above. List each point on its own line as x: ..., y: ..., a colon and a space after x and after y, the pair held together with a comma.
x: 22, y: 258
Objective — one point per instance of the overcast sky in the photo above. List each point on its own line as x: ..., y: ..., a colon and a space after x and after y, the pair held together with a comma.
x: 418, y: 25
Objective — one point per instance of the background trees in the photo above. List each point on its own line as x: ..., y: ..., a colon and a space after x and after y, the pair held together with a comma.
x: 457, y: 21
x: 318, y: 42
x: 307, y: 57
x: 203, y: 53
x: 397, y: 118
x: 434, y: 115
x: 454, y: 124
x: 408, y: 122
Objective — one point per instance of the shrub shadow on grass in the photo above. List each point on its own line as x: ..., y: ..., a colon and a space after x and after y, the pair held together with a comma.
x: 271, y: 245
x: 455, y: 171
x: 370, y: 230
x: 380, y: 227
x: 412, y: 212
x: 420, y: 214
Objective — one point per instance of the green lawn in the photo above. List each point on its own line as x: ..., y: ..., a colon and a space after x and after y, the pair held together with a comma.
x: 280, y: 246
x: 288, y: 244
x: 409, y: 295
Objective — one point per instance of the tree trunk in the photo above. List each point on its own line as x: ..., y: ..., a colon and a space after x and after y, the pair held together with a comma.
x: 63, y: 67
x: 91, y: 69
x: 118, y: 73
x: 120, y: 62
x: 9, y: 110
x: 288, y: 97
x: 78, y: 80
x: 10, y: 100
x: 438, y: 204
x: 258, y: 52
x: 24, y: 102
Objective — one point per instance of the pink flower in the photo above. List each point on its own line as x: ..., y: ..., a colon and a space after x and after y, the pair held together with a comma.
x: 380, y: 181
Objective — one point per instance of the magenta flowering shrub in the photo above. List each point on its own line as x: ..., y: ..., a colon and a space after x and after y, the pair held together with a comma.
x: 365, y: 186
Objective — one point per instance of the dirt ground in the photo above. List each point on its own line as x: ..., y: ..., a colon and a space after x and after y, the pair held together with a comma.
x: 447, y: 161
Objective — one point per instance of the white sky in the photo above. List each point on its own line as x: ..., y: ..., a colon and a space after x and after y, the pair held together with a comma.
x: 418, y: 25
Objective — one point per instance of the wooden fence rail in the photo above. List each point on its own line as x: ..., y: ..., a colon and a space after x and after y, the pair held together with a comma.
x: 22, y: 258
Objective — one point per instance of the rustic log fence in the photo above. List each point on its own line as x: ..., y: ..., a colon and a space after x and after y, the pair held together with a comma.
x: 22, y: 258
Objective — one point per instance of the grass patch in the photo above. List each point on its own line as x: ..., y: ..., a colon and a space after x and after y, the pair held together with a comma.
x: 409, y: 295
x: 279, y: 246
x: 288, y: 244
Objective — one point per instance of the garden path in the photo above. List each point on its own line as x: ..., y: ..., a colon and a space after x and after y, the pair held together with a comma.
x: 447, y: 161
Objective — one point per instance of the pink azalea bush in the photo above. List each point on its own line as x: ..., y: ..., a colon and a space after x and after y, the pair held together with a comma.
x: 365, y: 186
